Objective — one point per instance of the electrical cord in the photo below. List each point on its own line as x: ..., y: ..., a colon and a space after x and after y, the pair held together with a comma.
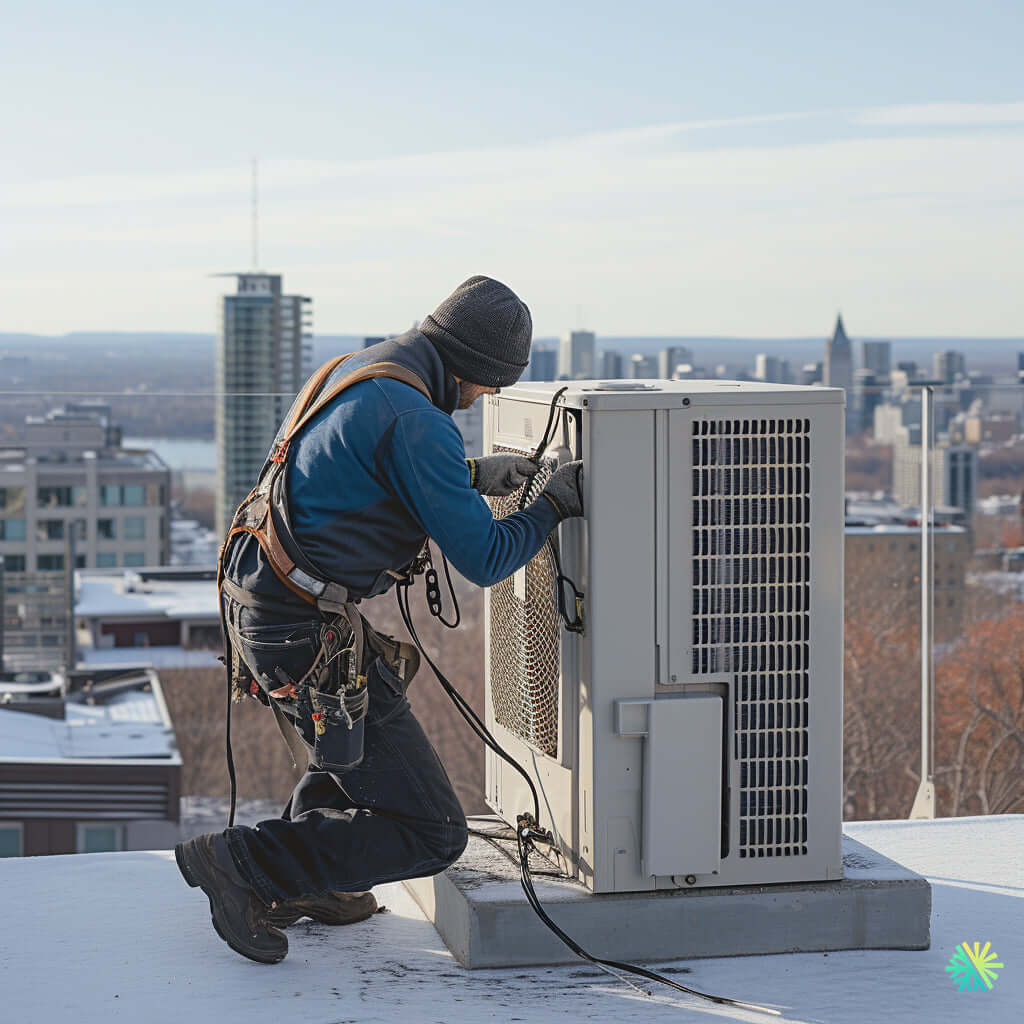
x: 528, y: 833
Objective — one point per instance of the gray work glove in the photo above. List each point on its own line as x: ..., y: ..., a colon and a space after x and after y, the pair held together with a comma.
x: 565, y: 490
x: 500, y: 475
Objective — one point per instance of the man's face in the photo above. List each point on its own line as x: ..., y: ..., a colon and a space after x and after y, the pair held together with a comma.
x: 469, y: 393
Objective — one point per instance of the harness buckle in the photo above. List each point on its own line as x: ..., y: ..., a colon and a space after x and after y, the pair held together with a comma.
x: 280, y: 451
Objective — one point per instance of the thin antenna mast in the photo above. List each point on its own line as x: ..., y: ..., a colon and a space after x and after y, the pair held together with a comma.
x: 255, y: 213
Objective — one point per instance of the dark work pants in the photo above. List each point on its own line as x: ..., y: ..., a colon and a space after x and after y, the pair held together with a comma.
x: 394, y: 816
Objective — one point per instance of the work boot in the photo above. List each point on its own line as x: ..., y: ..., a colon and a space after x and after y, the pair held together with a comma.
x: 330, y: 908
x: 239, y: 916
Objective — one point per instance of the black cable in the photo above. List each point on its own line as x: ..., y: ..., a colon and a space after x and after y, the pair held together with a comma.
x: 233, y: 785
x: 524, y: 840
x: 528, y: 830
x: 461, y: 705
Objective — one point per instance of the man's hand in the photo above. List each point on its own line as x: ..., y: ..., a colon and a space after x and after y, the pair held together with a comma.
x: 500, y: 475
x: 565, y: 490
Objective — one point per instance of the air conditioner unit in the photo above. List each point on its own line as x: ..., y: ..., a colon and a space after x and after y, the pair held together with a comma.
x: 691, y: 735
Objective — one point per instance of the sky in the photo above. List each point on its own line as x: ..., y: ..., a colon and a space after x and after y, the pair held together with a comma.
x: 678, y: 168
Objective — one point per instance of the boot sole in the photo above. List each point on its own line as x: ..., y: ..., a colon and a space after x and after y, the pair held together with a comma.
x: 216, y: 905
x: 319, y: 919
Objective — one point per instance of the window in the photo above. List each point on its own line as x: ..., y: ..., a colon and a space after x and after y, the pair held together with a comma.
x: 106, y: 560
x: 13, y: 563
x: 49, y: 563
x: 12, y: 529
x: 12, y: 842
x: 96, y: 837
x: 134, y: 528
x: 12, y: 499
x: 50, y: 529
x: 61, y: 497
x: 140, y: 639
x: 122, y: 494
x: 80, y: 562
x: 106, y: 529
x: 133, y: 559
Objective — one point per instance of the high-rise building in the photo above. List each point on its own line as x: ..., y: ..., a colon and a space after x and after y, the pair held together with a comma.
x: 948, y: 366
x: 264, y: 356
x: 1020, y: 367
x: 670, y: 358
x: 876, y: 356
x: 867, y: 395
x: 611, y: 364
x: 768, y: 368
x: 838, y: 369
x: 543, y: 363
x: 810, y: 373
x: 643, y: 367
x: 955, y: 469
x: 576, y: 358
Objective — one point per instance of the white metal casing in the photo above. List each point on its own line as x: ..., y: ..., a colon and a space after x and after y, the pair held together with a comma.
x: 711, y: 560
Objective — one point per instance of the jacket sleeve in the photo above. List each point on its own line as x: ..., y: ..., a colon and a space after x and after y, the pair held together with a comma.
x: 428, y: 473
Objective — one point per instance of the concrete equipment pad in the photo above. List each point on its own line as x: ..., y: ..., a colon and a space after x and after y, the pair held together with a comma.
x: 480, y: 911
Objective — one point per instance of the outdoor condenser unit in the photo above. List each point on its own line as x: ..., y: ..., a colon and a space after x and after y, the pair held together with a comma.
x: 691, y: 735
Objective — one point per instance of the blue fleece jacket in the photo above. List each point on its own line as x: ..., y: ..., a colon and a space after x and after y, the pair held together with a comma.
x: 379, y: 470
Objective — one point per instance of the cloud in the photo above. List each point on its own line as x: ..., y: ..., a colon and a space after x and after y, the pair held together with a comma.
x: 658, y: 229
x: 943, y: 114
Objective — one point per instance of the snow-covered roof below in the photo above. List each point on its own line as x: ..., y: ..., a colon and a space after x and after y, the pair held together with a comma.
x: 102, y: 594
x: 134, y: 943
x: 127, y: 726
x: 157, y: 657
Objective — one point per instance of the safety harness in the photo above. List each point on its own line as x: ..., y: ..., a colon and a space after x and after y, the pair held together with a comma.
x: 264, y: 514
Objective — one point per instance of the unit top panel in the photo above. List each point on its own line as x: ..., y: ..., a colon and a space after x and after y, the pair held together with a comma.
x: 671, y: 394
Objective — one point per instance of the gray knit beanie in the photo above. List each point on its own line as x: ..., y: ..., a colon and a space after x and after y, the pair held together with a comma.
x: 482, y: 332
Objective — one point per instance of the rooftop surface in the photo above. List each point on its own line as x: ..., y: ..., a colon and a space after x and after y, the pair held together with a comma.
x: 130, y: 725
x: 119, y: 937
x: 115, y: 592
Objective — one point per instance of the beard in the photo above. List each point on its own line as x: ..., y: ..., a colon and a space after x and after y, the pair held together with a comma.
x: 468, y: 394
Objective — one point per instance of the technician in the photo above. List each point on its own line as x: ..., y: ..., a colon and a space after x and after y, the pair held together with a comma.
x: 369, y: 478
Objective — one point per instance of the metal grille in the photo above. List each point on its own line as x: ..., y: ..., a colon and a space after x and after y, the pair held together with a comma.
x: 525, y: 638
x: 751, y: 615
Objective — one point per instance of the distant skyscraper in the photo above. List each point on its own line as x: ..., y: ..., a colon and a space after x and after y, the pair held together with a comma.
x: 838, y: 371
x: 810, y: 373
x: 611, y: 364
x: 876, y: 356
x: 643, y: 367
x: 949, y: 365
x: 1020, y: 367
x: 264, y: 356
x: 768, y: 368
x: 576, y: 359
x: 543, y: 363
x: 867, y: 395
x: 671, y: 357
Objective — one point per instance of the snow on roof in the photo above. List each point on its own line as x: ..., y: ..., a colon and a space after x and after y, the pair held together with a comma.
x: 130, y: 725
x: 134, y: 943
x: 110, y: 594
x: 156, y: 657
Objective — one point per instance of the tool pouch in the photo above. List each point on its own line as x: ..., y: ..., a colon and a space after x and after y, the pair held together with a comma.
x: 331, y: 706
x: 337, y: 722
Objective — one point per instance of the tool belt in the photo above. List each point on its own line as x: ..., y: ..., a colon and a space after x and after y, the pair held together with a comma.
x: 313, y: 676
